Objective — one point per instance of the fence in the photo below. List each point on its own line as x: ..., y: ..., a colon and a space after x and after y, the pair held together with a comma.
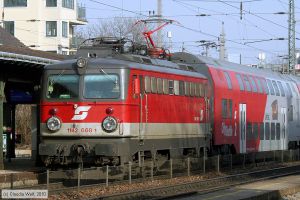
x: 149, y: 171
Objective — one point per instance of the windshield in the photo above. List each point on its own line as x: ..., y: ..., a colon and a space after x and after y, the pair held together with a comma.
x: 104, y: 86
x: 63, y: 87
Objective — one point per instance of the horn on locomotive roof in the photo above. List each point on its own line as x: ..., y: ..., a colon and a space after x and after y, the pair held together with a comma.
x: 153, y: 50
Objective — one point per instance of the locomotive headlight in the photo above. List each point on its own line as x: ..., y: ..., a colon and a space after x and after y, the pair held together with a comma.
x: 109, y: 124
x: 53, y: 124
x: 81, y: 62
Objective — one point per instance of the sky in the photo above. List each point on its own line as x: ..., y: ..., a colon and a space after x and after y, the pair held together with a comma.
x: 257, y: 32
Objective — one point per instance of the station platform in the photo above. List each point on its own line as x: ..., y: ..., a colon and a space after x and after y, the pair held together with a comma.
x: 269, y: 189
x: 19, y: 172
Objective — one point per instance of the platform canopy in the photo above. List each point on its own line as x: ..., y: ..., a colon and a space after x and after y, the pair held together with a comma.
x: 20, y: 71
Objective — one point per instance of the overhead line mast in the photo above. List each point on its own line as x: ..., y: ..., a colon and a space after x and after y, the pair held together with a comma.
x: 291, y: 38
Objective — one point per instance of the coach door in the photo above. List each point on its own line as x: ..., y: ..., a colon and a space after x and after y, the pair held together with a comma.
x: 242, y: 122
x: 284, y: 127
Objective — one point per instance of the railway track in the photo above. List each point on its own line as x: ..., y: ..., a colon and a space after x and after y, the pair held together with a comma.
x: 203, y: 186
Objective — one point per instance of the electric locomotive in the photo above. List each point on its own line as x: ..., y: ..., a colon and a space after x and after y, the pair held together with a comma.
x: 109, y: 107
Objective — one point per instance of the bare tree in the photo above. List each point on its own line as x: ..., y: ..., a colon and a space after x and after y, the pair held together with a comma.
x: 23, y: 123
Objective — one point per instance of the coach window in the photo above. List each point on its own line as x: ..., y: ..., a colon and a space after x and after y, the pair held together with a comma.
x: 227, y: 77
x: 277, y: 131
x: 202, y: 88
x: 153, y: 85
x: 187, y: 88
x: 181, y: 88
x: 276, y: 88
x: 197, y: 89
x: 253, y: 84
x: 192, y: 89
x: 249, y: 131
x: 270, y: 87
x: 247, y: 83
x: 260, y: 89
x: 224, y: 108
x: 255, y: 130
x: 294, y: 89
x: 159, y: 86
x: 289, y: 90
x: 272, y: 131
x: 261, y: 131
x: 238, y: 77
x: 265, y: 86
x: 166, y: 86
x: 176, y: 87
x: 267, y: 131
x: 171, y: 87
x: 281, y: 89
x: 147, y: 84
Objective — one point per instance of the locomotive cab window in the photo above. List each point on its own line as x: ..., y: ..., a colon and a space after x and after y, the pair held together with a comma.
x: 106, y: 86
x: 63, y: 87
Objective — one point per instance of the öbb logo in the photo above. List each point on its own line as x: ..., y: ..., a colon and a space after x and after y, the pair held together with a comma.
x: 81, y: 112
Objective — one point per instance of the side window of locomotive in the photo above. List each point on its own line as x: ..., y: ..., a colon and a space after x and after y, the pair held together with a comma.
x: 261, y: 131
x: 147, y: 84
x: 247, y: 83
x: 176, y: 87
x: 228, y: 79
x: 104, y: 86
x: 253, y: 84
x: 255, y: 130
x: 272, y: 131
x: 171, y: 87
x: 265, y: 86
x: 166, y: 86
x: 249, y: 131
x: 281, y: 89
x: 187, y: 88
x: 277, y: 131
x: 202, y: 90
x: 276, y: 88
x: 238, y: 77
x: 63, y: 86
x: 159, y: 86
x: 260, y: 89
x: 267, y: 130
x: 289, y: 90
x: 153, y: 85
x: 181, y: 88
x: 270, y: 87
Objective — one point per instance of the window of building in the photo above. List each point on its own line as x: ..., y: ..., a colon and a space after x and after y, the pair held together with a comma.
x: 51, y: 3
x: 65, y: 29
x: 9, y: 26
x: 276, y: 88
x: 260, y: 88
x: 238, y: 77
x: 281, y: 89
x: 261, y: 131
x: 289, y: 90
x: 227, y: 77
x: 226, y: 108
x: 68, y: 4
x: 265, y: 86
x: 277, y: 131
x: 15, y: 3
x: 51, y: 28
x: 254, y: 88
x: 153, y: 85
x: 267, y: 130
x: 247, y: 83
x: 272, y: 131
x: 270, y: 87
